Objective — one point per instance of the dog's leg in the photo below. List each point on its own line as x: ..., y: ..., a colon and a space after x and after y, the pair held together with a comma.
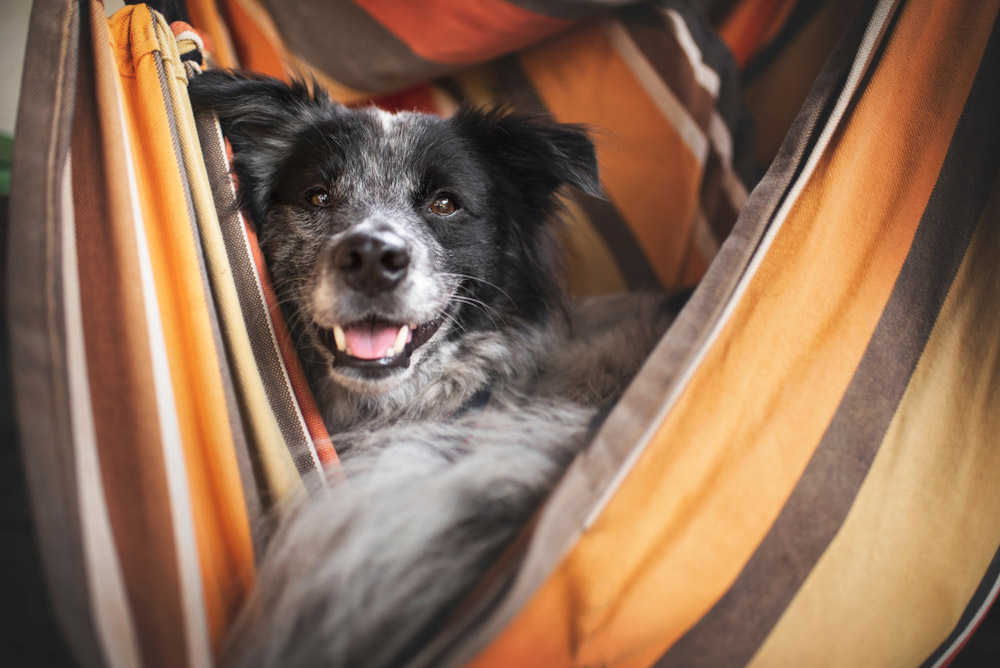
x: 361, y: 579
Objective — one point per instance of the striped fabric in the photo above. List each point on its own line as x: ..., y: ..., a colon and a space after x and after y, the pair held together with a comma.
x: 150, y: 374
x: 802, y: 474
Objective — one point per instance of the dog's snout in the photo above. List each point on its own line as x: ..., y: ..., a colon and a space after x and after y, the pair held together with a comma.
x: 372, y: 262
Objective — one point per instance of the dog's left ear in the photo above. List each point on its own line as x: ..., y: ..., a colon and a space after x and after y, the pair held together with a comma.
x: 536, y: 153
x: 262, y: 117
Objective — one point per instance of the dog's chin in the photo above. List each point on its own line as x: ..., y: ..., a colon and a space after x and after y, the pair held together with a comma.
x: 369, y: 381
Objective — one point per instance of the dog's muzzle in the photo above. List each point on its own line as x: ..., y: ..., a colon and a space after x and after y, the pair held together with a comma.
x: 373, y: 263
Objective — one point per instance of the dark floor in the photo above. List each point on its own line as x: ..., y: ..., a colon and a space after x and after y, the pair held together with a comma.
x: 983, y: 650
x: 28, y: 634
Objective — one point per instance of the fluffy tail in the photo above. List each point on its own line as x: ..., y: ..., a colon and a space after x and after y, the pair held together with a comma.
x: 362, y: 578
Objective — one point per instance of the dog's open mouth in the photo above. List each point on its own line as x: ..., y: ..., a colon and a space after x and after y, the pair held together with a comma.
x: 375, y: 344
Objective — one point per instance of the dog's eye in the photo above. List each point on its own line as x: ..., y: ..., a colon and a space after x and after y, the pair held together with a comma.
x: 319, y: 197
x: 443, y: 205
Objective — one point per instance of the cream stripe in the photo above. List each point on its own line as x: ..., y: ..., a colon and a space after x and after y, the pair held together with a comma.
x: 188, y: 566
x: 718, y: 134
x: 280, y: 472
x: 659, y: 93
x: 707, y: 77
x: 923, y: 528
x: 115, y: 624
x: 270, y: 325
x: 866, y: 46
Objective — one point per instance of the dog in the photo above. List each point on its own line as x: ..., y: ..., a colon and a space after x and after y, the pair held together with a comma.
x: 417, y: 263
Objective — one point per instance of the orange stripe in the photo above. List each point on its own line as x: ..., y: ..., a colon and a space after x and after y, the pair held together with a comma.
x: 221, y: 524
x: 256, y: 50
x: 458, y: 31
x: 750, y: 24
x: 581, y: 79
x: 714, y: 477
x: 303, y: 394
x: 205, y: 16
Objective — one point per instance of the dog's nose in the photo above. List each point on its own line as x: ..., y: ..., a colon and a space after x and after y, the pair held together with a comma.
x: 372, y: 262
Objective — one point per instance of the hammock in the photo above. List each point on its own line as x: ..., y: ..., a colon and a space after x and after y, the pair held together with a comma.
x: 805, y: 471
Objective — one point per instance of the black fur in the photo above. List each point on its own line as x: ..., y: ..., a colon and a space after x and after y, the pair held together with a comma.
x: 435, y: 495
x: 504, y: 170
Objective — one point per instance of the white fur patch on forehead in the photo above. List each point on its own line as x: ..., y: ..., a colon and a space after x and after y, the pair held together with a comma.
x: 387, y: 119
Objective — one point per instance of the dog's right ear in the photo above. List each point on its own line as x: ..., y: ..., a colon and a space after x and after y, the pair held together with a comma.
x: 261, y: 116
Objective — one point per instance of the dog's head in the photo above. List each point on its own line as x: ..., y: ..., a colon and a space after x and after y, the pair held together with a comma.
x: 387, y: 234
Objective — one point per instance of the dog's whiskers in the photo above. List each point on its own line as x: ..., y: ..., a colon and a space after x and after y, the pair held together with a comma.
x: 454, y: 321
x: 484, y: 282
x: 482, y: 306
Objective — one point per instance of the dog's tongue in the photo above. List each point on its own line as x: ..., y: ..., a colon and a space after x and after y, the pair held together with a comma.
x: 369, y: 341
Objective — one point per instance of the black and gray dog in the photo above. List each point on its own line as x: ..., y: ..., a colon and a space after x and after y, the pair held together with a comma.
x: 418, y: 267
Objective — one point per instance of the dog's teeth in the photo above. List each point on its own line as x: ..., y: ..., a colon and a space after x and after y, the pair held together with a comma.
x: 400, y: 342
x: 389, y: 352
x: 339, y: 338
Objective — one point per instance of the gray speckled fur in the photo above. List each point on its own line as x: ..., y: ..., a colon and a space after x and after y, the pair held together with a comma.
x: 359, y: 579
x: 361, y: 576
x: 356, y: 580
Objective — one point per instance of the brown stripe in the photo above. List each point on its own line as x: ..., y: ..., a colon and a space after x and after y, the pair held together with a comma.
x: 615, y: 232
x: 251, y: 492
x: 717, y: 10
x: 38, y: 363
x: 513, y: 85
x: 729, y: 105
x: 255, y: 314
x: 126, y: 418
x: 826, y: 491
x: 647, y: 29
x: 657, y: 43
x: 714, y: 200
x: 331, y: 35
x: 570, y: 9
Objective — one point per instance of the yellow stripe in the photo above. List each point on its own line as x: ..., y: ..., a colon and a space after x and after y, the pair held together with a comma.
x: 924, y: 526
